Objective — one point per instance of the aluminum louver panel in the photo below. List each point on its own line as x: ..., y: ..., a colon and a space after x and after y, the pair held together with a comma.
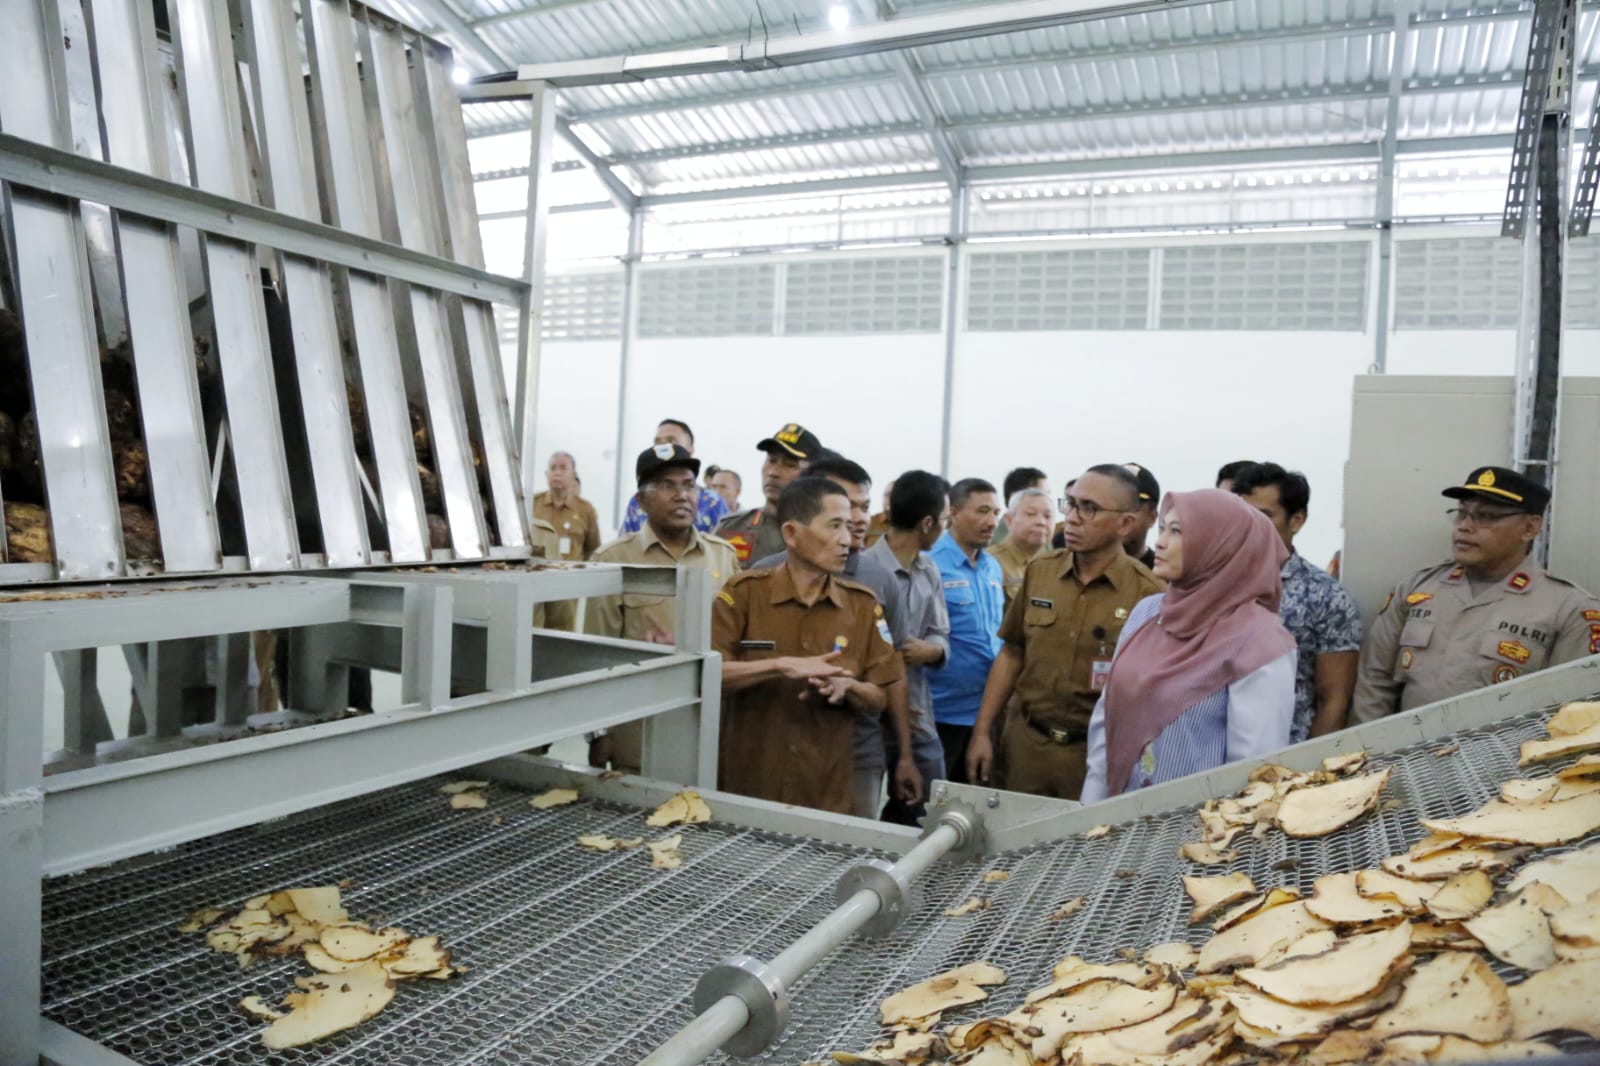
x: 1457, y: 283
x: 887, y: 294
x: 1291, y: 286
x: 726, y: 300
x: 1069, y: 289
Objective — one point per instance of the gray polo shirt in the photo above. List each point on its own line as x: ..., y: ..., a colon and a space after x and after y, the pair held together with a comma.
x: 925, y: 618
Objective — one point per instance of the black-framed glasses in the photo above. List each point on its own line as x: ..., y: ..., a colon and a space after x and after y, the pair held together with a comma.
x: 1477, y: 516
x: 1088, y: 508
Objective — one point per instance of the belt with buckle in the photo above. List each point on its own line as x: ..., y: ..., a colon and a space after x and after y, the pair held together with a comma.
x: 1057, y: 736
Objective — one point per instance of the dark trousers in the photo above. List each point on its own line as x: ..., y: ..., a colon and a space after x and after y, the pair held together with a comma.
x: 955, y: 739
x: 928, y: 754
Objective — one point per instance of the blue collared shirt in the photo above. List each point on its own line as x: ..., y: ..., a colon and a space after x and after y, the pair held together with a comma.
x: 974, y: 596
x: 710, y: 510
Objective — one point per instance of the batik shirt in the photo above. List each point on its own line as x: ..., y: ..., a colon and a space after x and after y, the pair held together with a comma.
x: 1324, y: 619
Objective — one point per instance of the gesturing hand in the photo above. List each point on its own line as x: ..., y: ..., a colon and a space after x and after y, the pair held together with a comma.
x: 816, y: 666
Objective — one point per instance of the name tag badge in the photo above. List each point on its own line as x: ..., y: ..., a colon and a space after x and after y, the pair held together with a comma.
x: 565, y: 545
x: 1099, y: 673
x: 758, y: 645
x: 1049, y: 605
x: 961, y: 584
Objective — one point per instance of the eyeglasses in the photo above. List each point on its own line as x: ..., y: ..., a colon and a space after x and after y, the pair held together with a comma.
x: 1476, y: 517
x: 674, y: 488
x: 1088, y: 508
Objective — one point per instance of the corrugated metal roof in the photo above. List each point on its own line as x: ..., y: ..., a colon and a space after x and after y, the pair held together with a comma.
x: 1199, y: 77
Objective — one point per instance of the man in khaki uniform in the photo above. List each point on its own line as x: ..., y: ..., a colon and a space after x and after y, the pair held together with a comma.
x: 1487, y: 616
x: 1029, y: 513
x: 668, y: 495
x: 754, y: 534
x: 803, y: 652
x: 576, y: 524
x: 1059, y: 633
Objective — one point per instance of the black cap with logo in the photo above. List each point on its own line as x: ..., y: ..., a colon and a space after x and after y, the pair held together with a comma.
x: 1497, y: 484
x: 653, y: 460
x: 793, y: 439
x: 1149, y: 487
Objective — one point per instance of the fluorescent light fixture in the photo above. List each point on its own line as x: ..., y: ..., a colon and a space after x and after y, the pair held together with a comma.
x: 839, y: 17
x: 460, y: 75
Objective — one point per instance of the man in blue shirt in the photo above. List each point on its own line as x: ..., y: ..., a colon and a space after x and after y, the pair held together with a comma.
x: 709, y: 507
x: 974, y: 595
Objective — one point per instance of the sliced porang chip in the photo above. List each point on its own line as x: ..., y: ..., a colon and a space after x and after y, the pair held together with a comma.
x: 1288, y: 1022
x: 1543, y: 825
x: 1318, y: 811
x: 1348, y: 763
x: 1443, y: 865
x: 972, y: 905
x: 995, y: 877
x: 455, y: 788
x: 1534, y: 751
x: 421, y: 957
x: 1188, y: 1021
x: 597, y: 842
x: 1586, y: 767
x: 1097, y: 832
x: 355, y: 943
x: 320, y: 904
x: 555, y: 797
x: 1516, y: 932
x: 1442, y: 936
x: 1311, y: 944
x: 1178, y: 955
x: 1574, y: 718
x: 903, y: 1047
x: 332, y: 1003
x: 201, y: 918
x: 1456, y: 1049
x: 1578, y: 924
x: 1067, y: 909
x: 1276, y: 897
x: 1559, y: 999
x: 1072, y: 972
x: 686, y: 807
x: 1573, y: 787
x: 953, y: 988
x: 469, y: 801
x: 1529, y: 791
x: 1546, y: 898
x: 664, y: 854
x: 1213, y: 893
x: 1353, y: 968
x: 1091, y: 1008
x: 1574, y: 875
x: 1337, y: 898
x: 1206, y: 855
x: 319, y: 959
x: 1456, y: 994
x: 1250, y: 941
x: 1461, y: 897
x: 1381, y: 884
x: 1255, y: 794
x: 1434, y: 843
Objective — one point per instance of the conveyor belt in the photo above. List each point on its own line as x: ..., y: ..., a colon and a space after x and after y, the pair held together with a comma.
x: 578, y: 956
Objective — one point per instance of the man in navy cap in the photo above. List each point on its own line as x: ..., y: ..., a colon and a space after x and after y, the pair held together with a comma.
x: 1487, y: 616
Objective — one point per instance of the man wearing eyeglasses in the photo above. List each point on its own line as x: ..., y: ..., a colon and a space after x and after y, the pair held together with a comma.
x: 1059, y: 633
x: 1487, y: 616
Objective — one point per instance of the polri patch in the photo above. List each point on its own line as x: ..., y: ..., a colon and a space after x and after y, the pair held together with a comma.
x: 1514, y: 650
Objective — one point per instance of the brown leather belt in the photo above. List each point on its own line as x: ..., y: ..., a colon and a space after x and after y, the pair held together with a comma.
x: 1057, y: 736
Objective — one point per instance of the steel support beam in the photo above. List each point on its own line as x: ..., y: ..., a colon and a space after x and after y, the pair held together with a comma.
x: 530, y: 313
x: 1386, y: 175
x: 630, y: 305
x: 952, y: 322
x: 39, y: 166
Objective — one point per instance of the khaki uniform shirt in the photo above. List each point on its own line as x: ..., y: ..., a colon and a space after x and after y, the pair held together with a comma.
x: 754, y: 534
x: 781, y: 740
x: 1063, y: 628
x: 1013, y: 559
x: 1435, y: 638
x: 638, y: 617
x: 545, y: 542
x: 576, y: 525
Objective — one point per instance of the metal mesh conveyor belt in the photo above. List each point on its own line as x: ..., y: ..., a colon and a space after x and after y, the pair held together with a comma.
x: 579, y: 957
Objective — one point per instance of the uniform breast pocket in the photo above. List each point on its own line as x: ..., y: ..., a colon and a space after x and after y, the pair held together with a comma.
x: 1038, y: 617
x: 634, y: 602
x: 1416, y: 635
x: 1512, y: 655
x: 959, y: 594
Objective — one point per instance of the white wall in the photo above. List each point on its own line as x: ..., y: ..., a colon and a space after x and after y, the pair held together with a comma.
x: 1485, y: 351
x: 577, y: 413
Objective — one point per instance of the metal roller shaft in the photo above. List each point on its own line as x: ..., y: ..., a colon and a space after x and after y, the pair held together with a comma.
x: 717, y: 1025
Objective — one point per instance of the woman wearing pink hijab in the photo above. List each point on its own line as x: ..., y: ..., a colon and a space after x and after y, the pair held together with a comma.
x: 1203, y: 673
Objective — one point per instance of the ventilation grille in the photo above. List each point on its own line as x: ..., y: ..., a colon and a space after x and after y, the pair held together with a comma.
x: 577, y: 307
x: 891, y: 294
x: 1067, y: 289
x: 726, y: 300
x: 1458, y: 283
x: 1582, y: 307
x: 1299, y: 286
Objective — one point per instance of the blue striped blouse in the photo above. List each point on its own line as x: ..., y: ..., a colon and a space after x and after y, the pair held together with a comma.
x: 1250, y: 717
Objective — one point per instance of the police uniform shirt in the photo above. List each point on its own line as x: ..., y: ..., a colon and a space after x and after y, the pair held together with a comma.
x: 575, y: 522
x: 754, y: 534
x: 781, y: 739
x: 1436, y: 637
x: 635, y: 616
x: 1064, y: 629
x: 1013, y: 559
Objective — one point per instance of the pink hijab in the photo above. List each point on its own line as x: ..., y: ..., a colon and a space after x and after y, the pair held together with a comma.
x: 1217, y: 623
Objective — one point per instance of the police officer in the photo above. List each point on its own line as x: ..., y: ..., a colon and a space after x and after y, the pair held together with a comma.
x: 754, y: 534
x: 1059, y: 634
x: 1487, y: 616
x: 665, y: 474
x: 803, y: 652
